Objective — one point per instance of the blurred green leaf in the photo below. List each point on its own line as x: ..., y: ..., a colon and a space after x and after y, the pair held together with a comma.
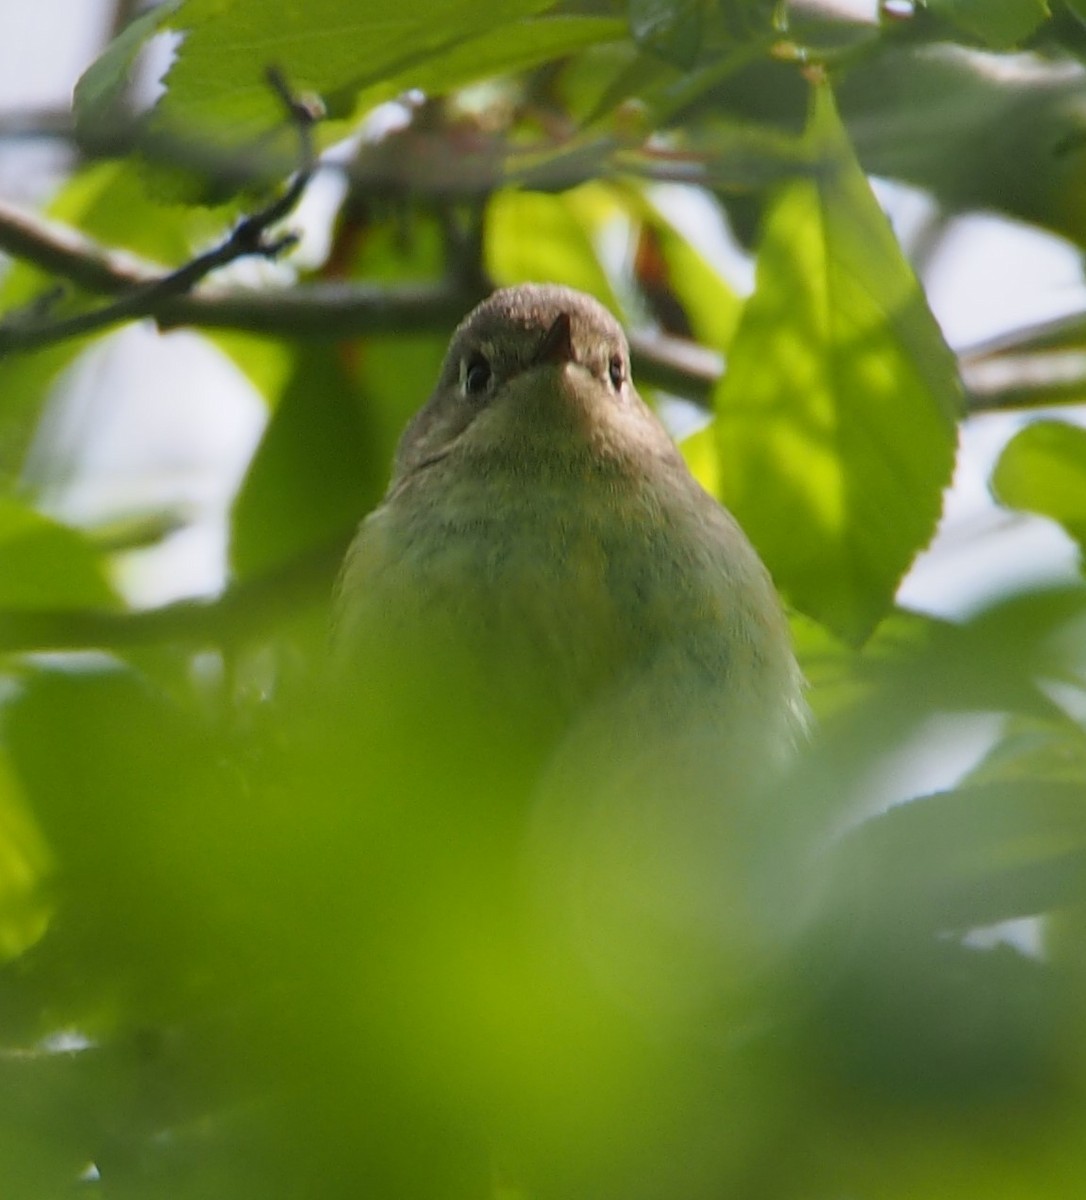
x: 674, y: 29
x: 395, y: 375
x: 1000, y: 24
x: 533, y: 236
x: 25, y: 381
x: 671, y: 271
x: 313, y: 474
x: 146, y: 823
x: 303, y: 944
x: 978, y: 130
x: 266, y: 362
x: 25, y: 863
x: 44, y: 564
x: 937, y: 1046
x: 836, y: 416
x: 700, y: 452
x: 1043, y: 470
x: 967, y: 858
x: 108, y: 202
x: 502, y: 50
x: 1032, y: 749
x: 217, y: 82
x: 100, y: 92
x: 741, y: 157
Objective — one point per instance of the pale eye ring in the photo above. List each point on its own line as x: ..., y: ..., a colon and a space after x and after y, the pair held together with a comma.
x: 477, y: 374
x: 616, y: 369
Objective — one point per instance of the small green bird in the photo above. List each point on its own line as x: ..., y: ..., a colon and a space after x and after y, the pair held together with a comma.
x: 542, y: 530
x: 565, y: 682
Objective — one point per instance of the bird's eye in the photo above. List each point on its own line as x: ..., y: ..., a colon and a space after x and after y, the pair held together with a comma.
x: 616, y: 369
x: 477, y: 374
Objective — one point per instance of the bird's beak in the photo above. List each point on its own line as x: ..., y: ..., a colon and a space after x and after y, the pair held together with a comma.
x: 557, y: 344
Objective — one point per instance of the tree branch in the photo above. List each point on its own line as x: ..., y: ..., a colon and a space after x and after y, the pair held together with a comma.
x: 343, y: 310
x: 37, y: 124
x: 249, y: 237
x: 331, y: 310
x: 64, y: 252
x: 241, y: 612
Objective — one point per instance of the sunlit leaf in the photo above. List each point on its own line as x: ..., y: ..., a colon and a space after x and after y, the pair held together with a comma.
x: 25, y: 861
x: 537, y: 237
x: 700, y: 452
x: 505, y: 49
x: 836, y: 416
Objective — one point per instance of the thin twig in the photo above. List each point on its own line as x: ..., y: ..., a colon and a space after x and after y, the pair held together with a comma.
x: 123, y: 13
x: 1064, y: 332
x: 248, y: 238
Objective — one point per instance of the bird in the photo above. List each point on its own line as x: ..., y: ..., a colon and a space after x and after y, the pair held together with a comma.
x: 542, y: 529
x: 548, y: 627
x: 563, y: 681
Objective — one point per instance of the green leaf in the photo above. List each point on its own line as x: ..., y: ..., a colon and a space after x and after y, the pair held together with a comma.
x: 1000, y: 24
x: 25, y: 860
x: 217, y: 82
x: 1043, y: 470
x: 975, y: 131
x: 212, y: 137
x: 671, y: 28
x: 503, y: 50
x: 44, y: 564
x: 108, y: 202
x: 1030, y: 749
x: 700, y: 454
x: 836, y: 416
x: 968, y: 858
x: 534, y: 236
x: 311, y: 479
x: 952, y: 1034
x: 100, y: 91
x: 144, y: 826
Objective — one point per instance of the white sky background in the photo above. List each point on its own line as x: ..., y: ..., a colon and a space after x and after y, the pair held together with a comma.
x: 162, y: 419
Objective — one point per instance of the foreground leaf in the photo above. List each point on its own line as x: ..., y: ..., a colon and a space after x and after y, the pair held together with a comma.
x: 44, y: 564
x: 1043, y: 470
